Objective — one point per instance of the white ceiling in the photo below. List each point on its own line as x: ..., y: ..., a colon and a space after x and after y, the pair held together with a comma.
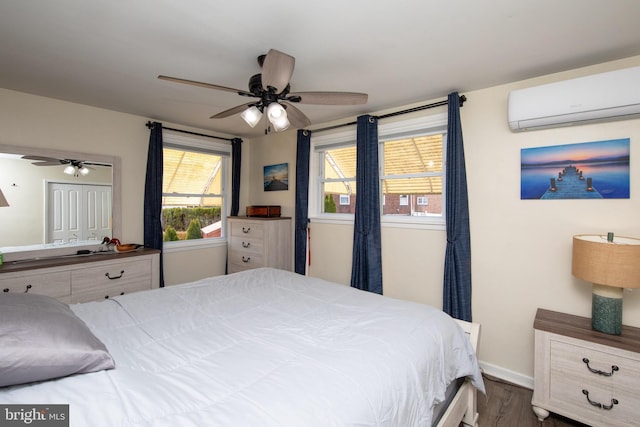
x: 109, y: 53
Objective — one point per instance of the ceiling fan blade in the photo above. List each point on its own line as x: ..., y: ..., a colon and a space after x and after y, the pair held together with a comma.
x: 277, y: 70
x: 330, y: 98
x: 205, y: 85
x: 97, y: 164
x: 296, y: 117
x: 48, y: 163
x: 42, y: 158
x: 232, y: 111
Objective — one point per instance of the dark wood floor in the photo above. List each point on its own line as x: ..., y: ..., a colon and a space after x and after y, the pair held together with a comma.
x: 508, y: 405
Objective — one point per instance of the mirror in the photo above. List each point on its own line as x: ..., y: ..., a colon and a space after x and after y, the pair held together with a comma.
x: 59, y: 202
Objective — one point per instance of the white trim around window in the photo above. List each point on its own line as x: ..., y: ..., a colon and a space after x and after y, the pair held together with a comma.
x: 387, y: 131
x: 207, y: 145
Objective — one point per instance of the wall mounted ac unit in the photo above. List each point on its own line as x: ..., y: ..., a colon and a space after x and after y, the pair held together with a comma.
x: 608, y: 96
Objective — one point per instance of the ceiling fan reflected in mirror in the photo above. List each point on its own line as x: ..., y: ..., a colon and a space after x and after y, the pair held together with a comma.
x: 73, y: 167
x: 272, y: 88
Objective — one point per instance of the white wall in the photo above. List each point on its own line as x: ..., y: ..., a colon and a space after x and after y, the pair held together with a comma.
x: 521, y: 249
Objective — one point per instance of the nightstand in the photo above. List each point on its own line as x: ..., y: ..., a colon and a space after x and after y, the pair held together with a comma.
x: 583, y: 374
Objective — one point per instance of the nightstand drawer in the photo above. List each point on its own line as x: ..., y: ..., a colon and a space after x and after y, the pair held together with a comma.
x: 594, y: 382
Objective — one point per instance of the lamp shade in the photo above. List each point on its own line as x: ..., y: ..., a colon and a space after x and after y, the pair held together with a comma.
x: 252, y: 115
x: 599, y: 261
x: 3, y: 200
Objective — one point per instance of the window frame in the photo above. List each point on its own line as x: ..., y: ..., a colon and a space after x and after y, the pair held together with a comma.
x: 316, y: 200
x: 194, y: 143
x: 422, y: 125
x: 417, y: 126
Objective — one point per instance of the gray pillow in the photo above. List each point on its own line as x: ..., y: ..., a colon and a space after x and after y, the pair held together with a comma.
x: 41, y: 339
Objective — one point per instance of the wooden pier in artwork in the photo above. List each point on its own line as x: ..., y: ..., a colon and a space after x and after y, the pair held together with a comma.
x: 570, y: 184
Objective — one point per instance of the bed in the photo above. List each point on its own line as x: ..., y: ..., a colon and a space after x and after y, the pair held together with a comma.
x: 263, y: 347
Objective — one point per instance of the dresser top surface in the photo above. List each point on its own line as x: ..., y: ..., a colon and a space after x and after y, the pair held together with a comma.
x: 14, y: 266
x: 580, y: 328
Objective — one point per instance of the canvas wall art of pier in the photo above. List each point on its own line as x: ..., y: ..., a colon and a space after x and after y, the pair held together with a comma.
x: 591, y: 170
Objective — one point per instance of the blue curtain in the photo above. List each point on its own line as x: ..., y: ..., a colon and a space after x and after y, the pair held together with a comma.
x: 366, y: 267
x: 457, y: 263
x: 153, y: 194
x: 302, y: 200
x: 236, y: 163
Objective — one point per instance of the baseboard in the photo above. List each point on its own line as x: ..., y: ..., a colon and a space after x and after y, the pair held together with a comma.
x: 507, y: 375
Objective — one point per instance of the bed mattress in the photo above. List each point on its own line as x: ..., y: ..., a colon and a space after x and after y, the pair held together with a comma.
x: 263, y: 347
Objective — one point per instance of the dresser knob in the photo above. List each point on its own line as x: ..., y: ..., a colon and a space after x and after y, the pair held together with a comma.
x: 614, y: 368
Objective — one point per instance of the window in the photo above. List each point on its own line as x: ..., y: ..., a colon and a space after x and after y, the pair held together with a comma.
x: 412, y: 169
x: 194, y: 187
x: 411, y: 161
x: 334, y: 169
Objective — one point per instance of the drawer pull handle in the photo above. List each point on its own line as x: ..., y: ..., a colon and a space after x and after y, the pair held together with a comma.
x: 26, y: 289
x: 246, y: 245
x: 107, y: 296
x: 598, y: 404
x: 247, y: 259
x: 5, y: 290
x: 614, y: 368
x: 115, y: 277
x: 246, y: 230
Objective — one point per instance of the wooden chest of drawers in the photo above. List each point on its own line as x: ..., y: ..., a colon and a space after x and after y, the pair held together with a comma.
x: 82, y: 279
x: 259, y: 242
x: 583, y: 374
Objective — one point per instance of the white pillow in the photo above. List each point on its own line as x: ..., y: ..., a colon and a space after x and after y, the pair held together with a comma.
x: 41, y: 339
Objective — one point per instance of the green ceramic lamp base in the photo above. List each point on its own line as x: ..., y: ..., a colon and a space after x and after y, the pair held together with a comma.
x: 606, y: 311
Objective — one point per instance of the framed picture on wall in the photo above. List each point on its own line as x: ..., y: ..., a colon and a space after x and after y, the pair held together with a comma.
x: 276, y: 177
x: 588, y: 170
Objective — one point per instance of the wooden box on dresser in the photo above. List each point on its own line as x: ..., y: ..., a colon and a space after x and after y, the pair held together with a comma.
x: 259, y: 242
x: 83, y: 278
x: 584, y: 374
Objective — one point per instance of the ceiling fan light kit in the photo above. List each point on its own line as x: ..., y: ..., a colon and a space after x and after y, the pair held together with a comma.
x: 272, y: 88
x: 252, y: 116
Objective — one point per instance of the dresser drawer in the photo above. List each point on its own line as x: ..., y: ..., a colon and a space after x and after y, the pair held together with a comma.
x: 110, y: 279
x: 246, y: 245
x: 247, y: 229
x: 56, y: 284
x: 246, y: 259
x: 609, y: 392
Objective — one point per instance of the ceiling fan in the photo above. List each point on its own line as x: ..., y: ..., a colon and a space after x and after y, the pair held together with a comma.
x: 74, y: 167
x: 272, y: 88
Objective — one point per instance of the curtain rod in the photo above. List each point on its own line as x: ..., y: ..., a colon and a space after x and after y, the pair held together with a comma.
x: 150, y: 125
x: 397, y: 113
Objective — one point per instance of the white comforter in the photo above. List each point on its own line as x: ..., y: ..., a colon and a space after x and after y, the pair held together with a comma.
x: 262, y: 348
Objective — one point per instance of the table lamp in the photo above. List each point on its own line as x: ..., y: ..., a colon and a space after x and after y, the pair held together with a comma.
x: 611, y: 264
